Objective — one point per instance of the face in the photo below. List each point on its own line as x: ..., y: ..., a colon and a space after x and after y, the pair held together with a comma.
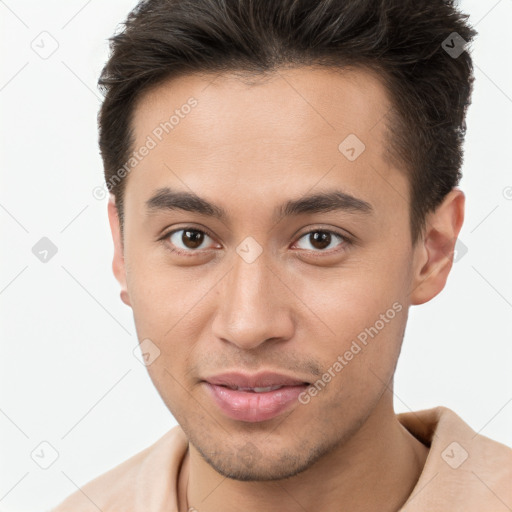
x: 261, y: 278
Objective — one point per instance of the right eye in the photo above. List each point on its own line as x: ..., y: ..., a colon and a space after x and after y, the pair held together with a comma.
x: 186, y: 241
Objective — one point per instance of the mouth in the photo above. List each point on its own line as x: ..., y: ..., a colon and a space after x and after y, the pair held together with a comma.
x: 256, y: 389
x: 254, y: 398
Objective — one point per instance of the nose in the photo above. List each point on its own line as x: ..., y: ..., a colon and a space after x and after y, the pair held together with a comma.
x: 254, y: 306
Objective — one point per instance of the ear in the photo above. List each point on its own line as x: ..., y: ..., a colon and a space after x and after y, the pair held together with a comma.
x: 118, y: 265
x: 433, y: 254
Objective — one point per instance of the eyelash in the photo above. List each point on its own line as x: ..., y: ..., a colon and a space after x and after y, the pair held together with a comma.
x: 346, y: 241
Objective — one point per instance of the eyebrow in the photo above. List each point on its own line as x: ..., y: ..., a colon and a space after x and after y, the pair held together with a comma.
x: 166, y: 199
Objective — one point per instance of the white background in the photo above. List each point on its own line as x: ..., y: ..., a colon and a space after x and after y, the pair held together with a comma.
x: 68, y: 375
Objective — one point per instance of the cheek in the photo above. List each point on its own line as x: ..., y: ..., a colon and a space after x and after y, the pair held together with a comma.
x: 358, y: 316
x: 165, y: 310
x: 160, y: 294
x: 169, y: 307
x: 349, y: 299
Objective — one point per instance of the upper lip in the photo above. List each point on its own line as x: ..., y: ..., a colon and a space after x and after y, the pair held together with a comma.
x: 258, y: 380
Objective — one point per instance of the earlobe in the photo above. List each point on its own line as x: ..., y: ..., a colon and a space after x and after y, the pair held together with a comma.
x: 118, y: 265
x: 125, y: 297
x: 433, y: 258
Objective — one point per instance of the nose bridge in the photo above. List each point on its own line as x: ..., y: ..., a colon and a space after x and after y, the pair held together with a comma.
x: 251, y: 308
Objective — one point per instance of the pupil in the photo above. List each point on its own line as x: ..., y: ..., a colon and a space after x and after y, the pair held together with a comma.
x: 320, y: 239
x: 195, y: 238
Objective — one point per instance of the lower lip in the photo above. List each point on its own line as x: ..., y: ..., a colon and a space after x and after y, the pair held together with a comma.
x: 252, y: 406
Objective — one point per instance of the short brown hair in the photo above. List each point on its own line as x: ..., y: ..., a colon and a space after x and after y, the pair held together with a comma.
x: 406, y: 42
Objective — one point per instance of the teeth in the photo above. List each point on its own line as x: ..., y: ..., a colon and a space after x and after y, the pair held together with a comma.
x: 270, y: 388
x: 258, y: 390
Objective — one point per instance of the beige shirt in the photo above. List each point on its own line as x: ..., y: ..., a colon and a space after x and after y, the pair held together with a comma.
x: 464, y: 471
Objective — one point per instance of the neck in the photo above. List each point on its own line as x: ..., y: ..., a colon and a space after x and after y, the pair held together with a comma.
x: 382, y: 456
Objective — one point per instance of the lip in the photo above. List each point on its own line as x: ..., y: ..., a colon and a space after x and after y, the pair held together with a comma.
x: 259, y: 380
x: 250, y: 406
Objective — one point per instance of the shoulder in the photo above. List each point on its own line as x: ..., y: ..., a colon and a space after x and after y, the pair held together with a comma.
x: 148, y: 475
x: 464, y: 468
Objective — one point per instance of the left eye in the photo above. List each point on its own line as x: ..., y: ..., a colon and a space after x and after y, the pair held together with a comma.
x: 321, y: 239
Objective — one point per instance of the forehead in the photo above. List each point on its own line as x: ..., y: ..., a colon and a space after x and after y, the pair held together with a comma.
x: 284, y: 133
x: 292, y: 103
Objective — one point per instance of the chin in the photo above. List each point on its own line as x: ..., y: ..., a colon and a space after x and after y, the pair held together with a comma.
x: 248, y: 464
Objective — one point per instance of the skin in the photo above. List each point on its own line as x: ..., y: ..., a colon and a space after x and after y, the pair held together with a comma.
x: 296, y: 307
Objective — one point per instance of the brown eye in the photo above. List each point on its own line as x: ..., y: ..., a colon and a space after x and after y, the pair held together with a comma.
x: 187, y: 240
x: 192, y: 239
x: 320, y: 240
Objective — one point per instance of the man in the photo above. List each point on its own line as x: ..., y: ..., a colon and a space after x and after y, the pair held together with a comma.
x: 283, y: 179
